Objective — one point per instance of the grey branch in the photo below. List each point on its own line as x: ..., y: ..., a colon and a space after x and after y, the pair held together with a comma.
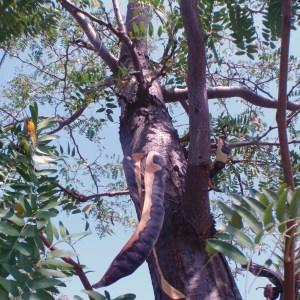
x: 229, y: 92
x: 93, y: 36
x: 119, y: 18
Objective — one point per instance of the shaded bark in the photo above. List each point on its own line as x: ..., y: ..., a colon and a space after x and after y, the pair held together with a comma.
x: 146, y: 125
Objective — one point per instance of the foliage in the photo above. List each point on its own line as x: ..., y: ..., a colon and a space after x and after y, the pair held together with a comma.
x: 254, y: 219
x: 25, y: 17
x: 30, y: 200
x: 66, y: 79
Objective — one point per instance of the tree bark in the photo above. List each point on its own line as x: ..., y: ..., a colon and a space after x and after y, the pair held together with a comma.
x: 145, y: 125
x: 289, y: 283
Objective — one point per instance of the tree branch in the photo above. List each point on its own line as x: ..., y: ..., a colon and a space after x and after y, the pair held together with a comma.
x: 3, y: 58
x: 93, y: 36
x: 228, y: 92
x: 262, y: 271
x: 77, y: 267
x: 196, y: 202
x: 199, y: 151
x: 119, y: 18
x: 289, y: 285
x: 68, y: 121
x: 82, y: 198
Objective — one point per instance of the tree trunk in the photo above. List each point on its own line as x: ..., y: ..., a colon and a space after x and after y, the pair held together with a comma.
x: 146, y: 125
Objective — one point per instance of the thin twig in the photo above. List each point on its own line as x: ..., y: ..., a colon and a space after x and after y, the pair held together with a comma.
x: 289, y: 286
x: 77, y: 267
x: 82, y: 158
x: 3, y: 58
x: 119, y: 18
x: 82, y: 198
x: 68, y: 121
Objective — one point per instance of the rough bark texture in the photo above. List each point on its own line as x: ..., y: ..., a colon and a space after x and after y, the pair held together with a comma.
x: 146, y: 125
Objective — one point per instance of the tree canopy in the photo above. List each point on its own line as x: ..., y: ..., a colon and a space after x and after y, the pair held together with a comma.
x: 176, y: 77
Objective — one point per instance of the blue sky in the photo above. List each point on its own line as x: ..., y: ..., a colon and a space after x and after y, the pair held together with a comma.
x: 97, y: 254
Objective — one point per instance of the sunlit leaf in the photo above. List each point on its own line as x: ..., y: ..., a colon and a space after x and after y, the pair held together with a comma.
x: 94, y: 295
x: 228, y: 250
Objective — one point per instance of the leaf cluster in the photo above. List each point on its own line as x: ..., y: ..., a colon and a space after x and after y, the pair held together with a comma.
x: 251, y: 219
x: 25, y: 17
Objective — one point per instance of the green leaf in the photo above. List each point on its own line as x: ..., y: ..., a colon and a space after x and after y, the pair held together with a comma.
x: 10, y: 286
x: 94, y: 295
x: 8, y: 229
x: 268, y: 218
x: 256, y: 205
x: 56, y: 263
x: 49, y: 232
x: 44, y: 283
x: 151, y: 29
x: 45, y: 124
x: 29, y: 231
x: 62, y: 230
x: 227, y: 211
x: 3, y: 294
x: 110, y: 105
x: 61, y: 253
x: 251, y: 220
x: 236, y: 199
x: 43, y: 159
x: 25, y: 175
x: 135, y: 29
x: 258, y: 238
x: 294, y: 209
x: 159, y: 31
x: 126, y: 297
x: 34, y: 113
x: 23, y: 248
x: 44, y: 295
x: 55, y: 232
x: 102, y: 109
x: 281, y: 207
x: 240, y: 237
x: 228, y: 250
x: 272, y: 196
x: 40, y: 295
x: 52, y: 273
x: 47, y: 138
x: 17, y: 220
x: 142, y: 28
x: 264, y: 200
x: 236, y: 221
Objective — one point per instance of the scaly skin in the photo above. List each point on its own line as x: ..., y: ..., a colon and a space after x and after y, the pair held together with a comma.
x: 141, y: 243
x: 168, y: 289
